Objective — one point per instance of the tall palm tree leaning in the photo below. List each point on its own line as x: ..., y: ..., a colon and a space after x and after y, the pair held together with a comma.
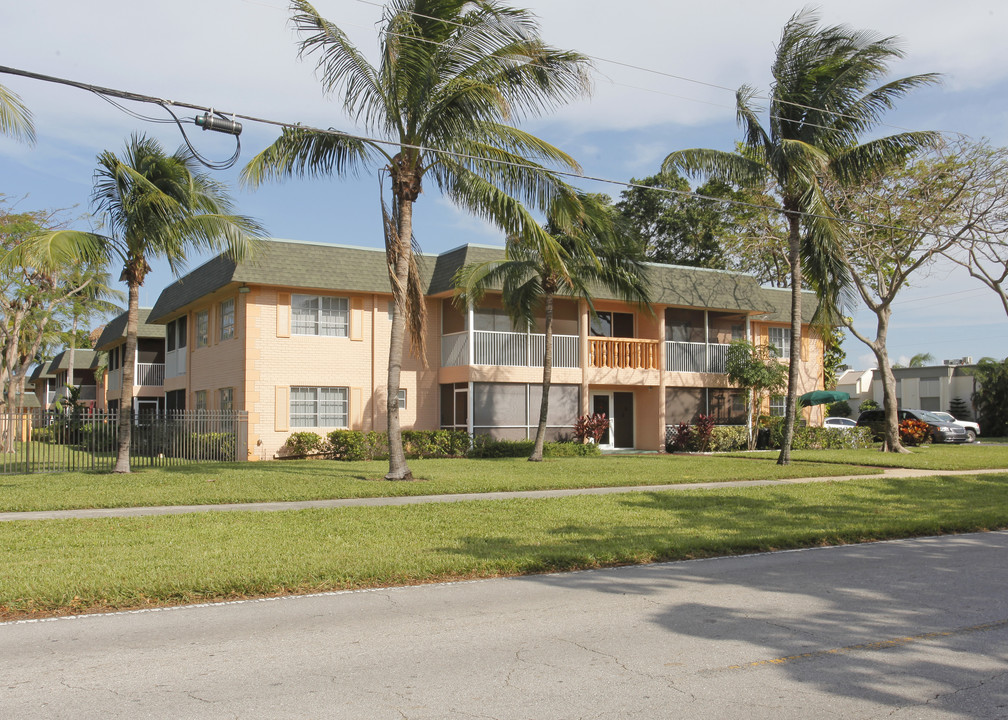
x: 15, y: 117
x: 594, y: 255
x: 452, y: 74
x: 153, y: 205
x: 822, y: 100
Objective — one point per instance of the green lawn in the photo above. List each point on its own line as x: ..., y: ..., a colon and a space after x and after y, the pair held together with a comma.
x: 928, y: 457
x: 74, y: 565
x: 209, y: 483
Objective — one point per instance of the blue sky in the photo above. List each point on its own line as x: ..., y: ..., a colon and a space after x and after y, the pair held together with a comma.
x: 240, y: 55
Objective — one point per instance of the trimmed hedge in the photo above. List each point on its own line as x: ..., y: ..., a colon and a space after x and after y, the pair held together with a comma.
x: 486, y: 447
x: 356, y: 445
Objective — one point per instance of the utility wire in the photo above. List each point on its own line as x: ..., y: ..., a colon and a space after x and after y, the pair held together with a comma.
x: 167, y: 104
x: 661, y: 73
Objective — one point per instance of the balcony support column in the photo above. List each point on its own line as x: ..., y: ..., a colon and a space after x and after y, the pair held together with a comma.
x: 662, y: 381
x: 583, y: 343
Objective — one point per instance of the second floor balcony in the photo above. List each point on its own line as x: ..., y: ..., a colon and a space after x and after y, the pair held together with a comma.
x: 518, y: 349
x: 696, y: 357
x: 512, y: 349
x: 146, y: 375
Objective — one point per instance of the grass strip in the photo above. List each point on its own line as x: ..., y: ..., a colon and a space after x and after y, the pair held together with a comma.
x: 53, y: 567
x: 927, y: 457
x: 210, y: 483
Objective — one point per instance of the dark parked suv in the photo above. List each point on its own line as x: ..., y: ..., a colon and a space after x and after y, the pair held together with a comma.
x: 941, y: 431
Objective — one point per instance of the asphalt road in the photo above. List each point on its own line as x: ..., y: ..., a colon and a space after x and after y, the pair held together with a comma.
x: 907, y: 629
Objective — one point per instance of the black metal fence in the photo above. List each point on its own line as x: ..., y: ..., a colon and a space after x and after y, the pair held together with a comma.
x: 53, y: 441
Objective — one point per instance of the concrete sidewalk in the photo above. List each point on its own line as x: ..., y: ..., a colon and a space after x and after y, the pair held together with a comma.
x: 461, y: 497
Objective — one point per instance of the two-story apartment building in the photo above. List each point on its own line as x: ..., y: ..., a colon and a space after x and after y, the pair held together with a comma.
x: 299, y: 336
x: 50, y: 379
x: 149, y: 370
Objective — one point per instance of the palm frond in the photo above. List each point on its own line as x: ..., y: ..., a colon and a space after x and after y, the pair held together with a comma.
x: 730, y: 167
x: 340, y: 65
x: 15, y: 117
x: 301, y: 152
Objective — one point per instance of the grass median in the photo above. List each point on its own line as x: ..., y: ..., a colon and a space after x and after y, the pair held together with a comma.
x: 207, y: 483
x: 54, y: 567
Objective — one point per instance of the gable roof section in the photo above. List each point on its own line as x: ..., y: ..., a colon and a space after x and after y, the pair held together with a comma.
x: 777, y: 303
x: 115, y: 330
x: 83, y: 360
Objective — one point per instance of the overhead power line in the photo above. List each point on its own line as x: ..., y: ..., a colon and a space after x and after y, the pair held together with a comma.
x: 168, y: 104
x: 661, y: 73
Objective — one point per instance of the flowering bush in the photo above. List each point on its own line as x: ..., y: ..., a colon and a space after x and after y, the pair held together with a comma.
x: 591, y: 427
x: 914, y: 432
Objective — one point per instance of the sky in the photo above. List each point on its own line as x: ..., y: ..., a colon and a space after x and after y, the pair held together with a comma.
x: 664, y: 80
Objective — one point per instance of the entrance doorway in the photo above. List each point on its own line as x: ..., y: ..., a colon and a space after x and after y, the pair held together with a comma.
x: 618, y: 407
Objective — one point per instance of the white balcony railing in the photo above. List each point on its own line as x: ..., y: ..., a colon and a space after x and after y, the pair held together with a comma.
x: 149, y: 374
x: 511, y: 349
x: 145, y: 375
x: 696, y: 357
x: 454, y: 349
x: 175, y: 363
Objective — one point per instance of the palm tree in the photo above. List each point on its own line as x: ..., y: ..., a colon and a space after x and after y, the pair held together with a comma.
x: 15, y: 117
x: 592, y: 257
x: 921, y: 360
x: 452, y: 75
x: 154, y: 205
x: 822, y: 100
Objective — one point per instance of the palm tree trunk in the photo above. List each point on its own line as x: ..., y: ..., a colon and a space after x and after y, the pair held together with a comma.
x: 540, y: 439
x: 70, y: 355
x: 794, y: 256
x: 398, y: 469
x: 126, y: 393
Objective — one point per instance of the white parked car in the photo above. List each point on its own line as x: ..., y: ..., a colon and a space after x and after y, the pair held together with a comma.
x: 839, y: 423
x: 972, y: 429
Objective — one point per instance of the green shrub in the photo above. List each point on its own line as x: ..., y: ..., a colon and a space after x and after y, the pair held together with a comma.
x: 839, y: 409
x: 348, y: 445
x: 819, y: 438
x: 377, y: 445
x: 570, y: 449
x: 726, y: 438
x: 485, y: 447
x: 99, y: 437
x: 868, y: 405
x: 44, y: 434
x: 355, y: 445
x: 435, y: 443
x: 304, y: 443
x: 213, y: 446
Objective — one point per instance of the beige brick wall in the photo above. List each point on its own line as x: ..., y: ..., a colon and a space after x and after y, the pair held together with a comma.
x: 277, y: 360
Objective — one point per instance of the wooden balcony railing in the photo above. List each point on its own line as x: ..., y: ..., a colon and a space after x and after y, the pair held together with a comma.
x: 628, y: 353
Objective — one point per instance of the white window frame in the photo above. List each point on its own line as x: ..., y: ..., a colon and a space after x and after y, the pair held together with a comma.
x: 784, y: 346
x: 200, y: 400
x: 227, y: 319
x: 324, y: 407
x: 326, y: 316
x: 402, y: 398
x: 202, y: 328
x: 778, y: 405
x: 225, y: 399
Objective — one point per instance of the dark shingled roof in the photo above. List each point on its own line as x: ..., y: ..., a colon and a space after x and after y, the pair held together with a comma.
x: 115, y: 331
x: 281, y: 262
x: 82, y: 359
x: 338, y: 267
x: 777, y: 303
